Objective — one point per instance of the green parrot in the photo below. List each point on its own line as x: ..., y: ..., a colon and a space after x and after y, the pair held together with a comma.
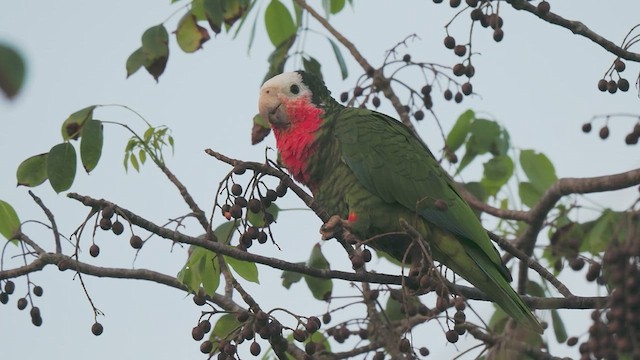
x: 372, y: 171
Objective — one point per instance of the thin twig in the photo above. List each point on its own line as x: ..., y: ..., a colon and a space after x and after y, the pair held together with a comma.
x: 54, y: 226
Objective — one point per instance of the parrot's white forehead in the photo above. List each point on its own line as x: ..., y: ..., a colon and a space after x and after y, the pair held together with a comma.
x: 284, y: 80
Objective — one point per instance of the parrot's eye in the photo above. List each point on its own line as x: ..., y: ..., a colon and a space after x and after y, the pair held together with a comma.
x: 295, y: 89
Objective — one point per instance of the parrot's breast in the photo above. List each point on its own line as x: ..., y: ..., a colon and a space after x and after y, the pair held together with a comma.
x: 296, y: 143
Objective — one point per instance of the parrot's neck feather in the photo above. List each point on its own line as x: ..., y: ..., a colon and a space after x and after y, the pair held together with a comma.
x: 296, y: 143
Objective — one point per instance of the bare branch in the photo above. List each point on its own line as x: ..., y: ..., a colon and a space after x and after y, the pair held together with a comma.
x: 577, y: 28
x: 54, y: 226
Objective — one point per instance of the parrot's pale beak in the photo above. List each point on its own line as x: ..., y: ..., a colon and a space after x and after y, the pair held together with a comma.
x: 271, y: 108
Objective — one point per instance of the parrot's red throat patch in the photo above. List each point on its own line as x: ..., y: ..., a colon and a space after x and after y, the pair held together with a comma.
x: 296, y: 142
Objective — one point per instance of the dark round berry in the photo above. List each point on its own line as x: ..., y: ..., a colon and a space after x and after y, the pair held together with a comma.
x: 423, y: 350
x: 117, y: 228
x: 406, y: 58
x: 310, y: 348
x: 206, y: 347
x: 404, y: 346
x: 458, y: 69
x: 4, y: 297
x: 199, y: 299
x: 604, y: 132
x: 577, y: 264
x: 375, y: 101
x: 419, y: 115
x: 22, y: 303
x: 357, y: 261
x: 36, y: 320
x: 586, y: 128
x: 358, y: 91
x: 476, y: 14
x: 239, y: 169
x: 380, y: 355
x: 254, y: 205
x: 300, y: 335
x: 94, y: 250
x: 467, y: 88
x: 619, y: 65
x: 326, y: 318
x: 108, y: 212
x: 437, y: 1
x: 136, y: 242
x: 197, y: 333
x: 460, y: 50
x: 602, y: 85
x: 344, y: 97
x: 37, y: 291
x: 455, y: 3
x: 34, y: 312
x: 572, y: 341
x: 459, y: 303
x: 631, y: 138
x: 271, y: 195
x: 449, y: 42
x: 236, y: 211
x: 448, y: 95
x: 9, y: 287
x: 236, y: 189
x: 612, y: 86
x: 623, y: 84
x: 469, y: 71
x: 240, y: 201
x: 281, y: 189
x: 498, y: 35
x: 472, y: 3
x: 262, y: 237
x: 97, y: 329
x: 105, y: 223
x: 543, y: 8
x: 366, y: 255
x: 452, y: 336
x: 458, y: 97
x: 426, y: 90
x: 254, y: 349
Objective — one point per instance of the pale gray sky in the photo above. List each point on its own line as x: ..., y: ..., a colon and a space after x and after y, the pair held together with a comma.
x: 540, y: 82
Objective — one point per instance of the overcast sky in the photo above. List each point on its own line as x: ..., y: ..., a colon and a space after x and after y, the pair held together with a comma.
x: 540, y: 83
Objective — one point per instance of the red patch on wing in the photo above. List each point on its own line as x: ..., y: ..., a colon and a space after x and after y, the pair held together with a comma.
x: 296, y: 142
x: 353, y: 217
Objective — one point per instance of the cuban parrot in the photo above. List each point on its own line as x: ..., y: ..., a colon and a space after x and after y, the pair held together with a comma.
x: 372, y: 171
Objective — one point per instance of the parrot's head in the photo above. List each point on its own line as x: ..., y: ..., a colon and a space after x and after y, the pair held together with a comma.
x: 291, y: 98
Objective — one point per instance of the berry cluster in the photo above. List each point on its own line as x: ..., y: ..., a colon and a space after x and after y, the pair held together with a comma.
x: 611, y: 85
x: 630, y: 139
x: 616, y: 329
x: 116, y: 227
x: 252, y: 208
x: 254, y: 325
x: 22, y: 303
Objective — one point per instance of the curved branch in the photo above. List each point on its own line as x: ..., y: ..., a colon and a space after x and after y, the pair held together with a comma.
x: 577, y: 28
x: 563, y: 187
x: 52, y: 220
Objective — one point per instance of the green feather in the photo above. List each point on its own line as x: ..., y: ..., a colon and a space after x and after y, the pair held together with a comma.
x: 386, y: 173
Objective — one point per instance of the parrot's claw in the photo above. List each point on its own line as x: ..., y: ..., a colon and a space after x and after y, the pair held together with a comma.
x: 334, y: 227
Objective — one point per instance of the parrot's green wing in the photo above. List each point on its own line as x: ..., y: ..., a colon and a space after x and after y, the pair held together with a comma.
x: 390, y: 162
x: 393, y: 164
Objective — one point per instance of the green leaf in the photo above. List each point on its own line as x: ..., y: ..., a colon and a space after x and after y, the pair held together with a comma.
x: 538, y: 169
x: 260, y: 129
x: 225, y: 326
x: 72, y: 126
x: 134, y: 162
x: 61, y: 166
x: 320, y: 288
x: 312, y: 65
x: 343, y: 65
x: 210, y: 273
x: 497, y: 171
x: 290, y: 277
x: 484, y: 135
x: 528, y: 194
x: 91, y: 144
x: 214, y: 12
x: 143, y: 156
x: 337, y: 6
x: 600, y: 232
x: 458, y: 133
x: 135, y: 61
x: 224, y: 232
x: 257, y: 219
x: 393, y: 309
x: 278, y: 58
x: 558, y: 326
x: 190, y: 35
x: 246, y: 269
x: 9, y: 221
x: 12, y: 71
x: 279, y: 23
x: 155, y: 46
x: 33, y: 171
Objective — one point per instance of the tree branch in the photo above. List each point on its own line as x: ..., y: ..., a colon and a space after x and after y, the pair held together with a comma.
x: 577, y: 28
x: 52, y: 220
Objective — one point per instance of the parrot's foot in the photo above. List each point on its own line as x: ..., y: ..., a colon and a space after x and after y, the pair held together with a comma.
x: 334, y: 227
